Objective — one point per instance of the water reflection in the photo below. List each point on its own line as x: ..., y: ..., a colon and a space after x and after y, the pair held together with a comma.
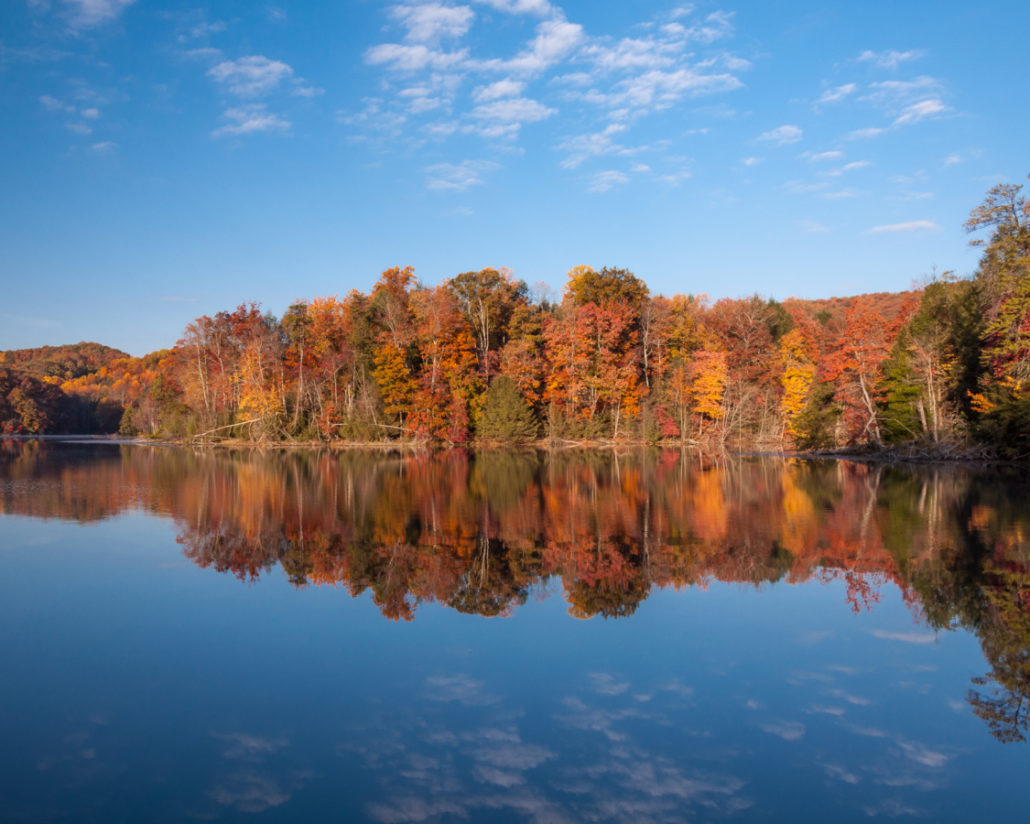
x: 481, y: 533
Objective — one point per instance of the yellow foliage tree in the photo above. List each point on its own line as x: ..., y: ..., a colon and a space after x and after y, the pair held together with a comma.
x: 796, y: 379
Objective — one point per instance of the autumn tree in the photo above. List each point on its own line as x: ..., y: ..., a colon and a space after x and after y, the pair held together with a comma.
x: 487, y: 299
x: 796, y: 379
x: 1004, y: 278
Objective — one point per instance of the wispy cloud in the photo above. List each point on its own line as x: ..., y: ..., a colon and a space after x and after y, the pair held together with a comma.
x: 906, y: 637
x: 920, y: 111
x: 504, y: 118
x: 603, y: 181
x: 836, y: 94
x: 606, y: 684
x: 538, y: 7
x: 499, y: 89
x: 490, y: 95
x: 88, y: 13
x: 889, y: 59
x: 865, y: 134
x: 52, y: 104
x: 909, y: 101
x: 250, y: 119
x: 432, y: 22
x: 583, y: 147
x: 457, y: 177
x: 553, y: 41
x: 250, y: 76
x: 782, y: 135
x: 413, y: 58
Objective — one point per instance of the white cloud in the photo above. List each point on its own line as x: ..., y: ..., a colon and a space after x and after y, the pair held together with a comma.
x: 895, y: 91
x: 538, y: 7
x: 458, y: 177
x: 606, y: 684
x: 203, y: 53
x: 413, y: 58
x: 952, y: 159
x: 674, y: 178
x: 889, y: 59
x: 554, y: 40
x: 863, y: 134
x: 782, y: 135
x: 52, y: 104
x: 855, y: 164
x: 104, y: 146
x: 920, y: 111
x: 250, y: 76
x: 573, y: 79
x: 503, y: 118
x: 86, y: 13
x: 603, y: 181
x: 432, y: 22
x: 204, y: 29
x: 910, y: 226
x: 629, y: 78
x: 502, y: 88
x: 250, y: 119
x: 375, y: 116
x: 660, y: 89
x: 584, y: 146
x: 833, y: 155
x: 78, y: 127
x: 751, y: 161
x: 837, y: 93
x: 717, y: 25
x: 90, y: 114
x: 633, y: 53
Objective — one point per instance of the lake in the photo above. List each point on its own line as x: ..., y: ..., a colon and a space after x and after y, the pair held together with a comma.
x: 506, y: 636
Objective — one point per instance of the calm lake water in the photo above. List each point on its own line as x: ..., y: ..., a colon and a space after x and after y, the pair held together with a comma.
x: 508, y: 637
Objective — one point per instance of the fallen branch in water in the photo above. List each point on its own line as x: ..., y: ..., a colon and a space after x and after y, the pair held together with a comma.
x: 227, y: 426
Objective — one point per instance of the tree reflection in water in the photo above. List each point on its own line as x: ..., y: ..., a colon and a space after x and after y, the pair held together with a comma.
x: 482, y: 532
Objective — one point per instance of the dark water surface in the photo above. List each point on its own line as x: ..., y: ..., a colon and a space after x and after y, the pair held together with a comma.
x: 508, y: 637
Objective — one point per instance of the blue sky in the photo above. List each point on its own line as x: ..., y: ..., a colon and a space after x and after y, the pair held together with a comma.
x: 166, y: 160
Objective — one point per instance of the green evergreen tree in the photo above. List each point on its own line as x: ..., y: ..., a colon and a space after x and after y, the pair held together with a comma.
x: 506, y: 416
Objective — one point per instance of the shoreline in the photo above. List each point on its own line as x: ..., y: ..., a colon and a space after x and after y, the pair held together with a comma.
x: 897, y: 454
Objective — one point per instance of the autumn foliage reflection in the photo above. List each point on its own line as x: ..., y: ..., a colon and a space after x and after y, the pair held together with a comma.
x: 482, y: 532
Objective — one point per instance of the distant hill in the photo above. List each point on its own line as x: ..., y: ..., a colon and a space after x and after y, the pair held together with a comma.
x: 65, y: 362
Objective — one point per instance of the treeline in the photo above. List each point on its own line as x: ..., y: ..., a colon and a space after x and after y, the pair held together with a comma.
x: 476, y: 358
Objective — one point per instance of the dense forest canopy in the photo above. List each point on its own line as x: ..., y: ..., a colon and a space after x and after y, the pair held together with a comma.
x: 476, y: 358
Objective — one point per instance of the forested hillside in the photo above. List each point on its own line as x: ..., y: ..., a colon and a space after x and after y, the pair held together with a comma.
x: 476, y: 358
x: 33, y: 396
